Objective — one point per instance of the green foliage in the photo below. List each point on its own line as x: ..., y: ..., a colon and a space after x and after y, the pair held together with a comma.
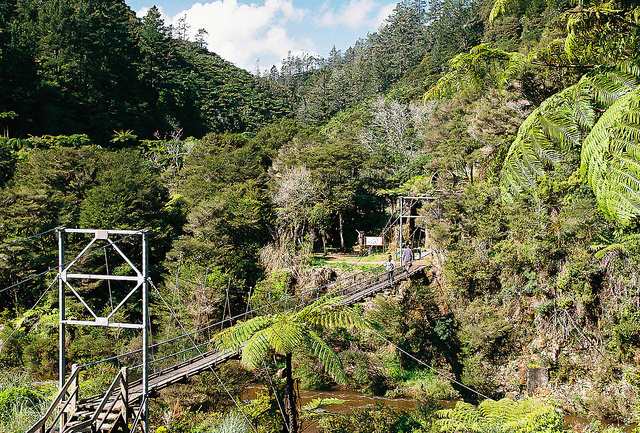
x: 85, y: 67
x: 481, y: 67
x: 553, y: 133
x: 264, y: 413
x: 524, y: 416
x: 21, y: 405
x: 289, y: 332
x: 270, y: 290
x: 12, y: 397
x: 625, y: 336
x: 417, y: 326
x: 610, y: 162
x: 41, y: 356
x: 365, y: 372
x: 127, y: 195
x: 310, y: 374
x: 381, y: 419
x: 486, y: 331
x: 233, y: 422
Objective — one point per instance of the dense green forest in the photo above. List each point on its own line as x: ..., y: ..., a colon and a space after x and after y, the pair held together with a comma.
x: 521, y: 119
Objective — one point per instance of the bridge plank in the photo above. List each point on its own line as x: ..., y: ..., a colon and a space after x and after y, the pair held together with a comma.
x: 182, y: 371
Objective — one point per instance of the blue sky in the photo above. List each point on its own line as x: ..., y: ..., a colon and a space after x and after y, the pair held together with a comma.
x: 263, y: 32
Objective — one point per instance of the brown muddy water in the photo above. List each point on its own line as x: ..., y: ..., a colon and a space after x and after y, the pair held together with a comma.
x: 360, y: 401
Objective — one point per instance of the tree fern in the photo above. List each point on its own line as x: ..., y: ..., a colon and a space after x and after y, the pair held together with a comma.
x: 602, y: 34
x: 468, y: 71
x: 289, y: 332
x: 611, y: 159
x: 545, y: 138
x: 500, y: 7
x: 464, y: 417
x: 556, y: 130
x: 620, y: 243
x: 504, y: 416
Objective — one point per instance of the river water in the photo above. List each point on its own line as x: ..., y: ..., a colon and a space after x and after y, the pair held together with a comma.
x: 357, y: 400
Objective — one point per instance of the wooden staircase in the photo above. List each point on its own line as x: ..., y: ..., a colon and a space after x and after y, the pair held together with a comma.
x: 110, y: 414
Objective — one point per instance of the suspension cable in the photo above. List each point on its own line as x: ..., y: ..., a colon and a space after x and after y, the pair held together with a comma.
x: 26, y: 239
x: 435, y: 370
x: 30, y: 309
x: 202, y: 355
x: 66, y: 263
x: 238, y: 316
x: 275, y: 394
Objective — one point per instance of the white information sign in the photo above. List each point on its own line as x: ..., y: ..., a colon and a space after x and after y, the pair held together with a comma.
x: 373, y: 241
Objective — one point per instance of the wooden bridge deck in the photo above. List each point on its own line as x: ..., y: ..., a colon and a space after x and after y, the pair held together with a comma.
x: 361, y: 287
x: 192, y: 367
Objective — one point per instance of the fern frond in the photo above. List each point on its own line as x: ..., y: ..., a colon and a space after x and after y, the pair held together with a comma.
x: 314, y: 410
x: 555, y: 130
x: 621, y: 242
x: 502, y: 416
x: 500, y: 8
x: 285, y: 336
x: 233, y: 338
x: 610, y: 159
x: 345, y: 317
x: 463, y: 417
x: 255, y: 350
x: 468, y: 71
x: 516, y: 65
x: 329, y: 359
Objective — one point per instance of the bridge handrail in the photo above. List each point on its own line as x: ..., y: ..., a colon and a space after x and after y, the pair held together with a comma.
x: 372, y: 274
x: 348, y: 287
x: 41, y: 424
x: 121, y: 377
x: 315, y: 289
x: 138, y: 417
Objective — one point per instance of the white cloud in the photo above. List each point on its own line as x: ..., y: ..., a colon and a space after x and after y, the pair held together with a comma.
x: 267, y: 30
x: 383, y: 14
x: 242, y: 33
x: 354, y: 14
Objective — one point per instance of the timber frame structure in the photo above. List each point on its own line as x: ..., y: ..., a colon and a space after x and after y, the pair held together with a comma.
x: 409, y: 201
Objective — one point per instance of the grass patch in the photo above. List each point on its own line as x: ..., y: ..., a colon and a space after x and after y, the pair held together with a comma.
x: 21, y: 403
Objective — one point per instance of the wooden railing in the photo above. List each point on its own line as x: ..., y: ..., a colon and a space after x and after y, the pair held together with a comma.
x: 63, y: 412
x: 66, y: 409
x: 99, y: 417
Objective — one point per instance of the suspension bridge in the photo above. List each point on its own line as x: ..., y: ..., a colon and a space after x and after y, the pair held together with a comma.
x: 123, y: 406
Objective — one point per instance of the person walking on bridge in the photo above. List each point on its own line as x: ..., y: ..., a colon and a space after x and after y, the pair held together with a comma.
x: 389, y: 265
x: 407, y: 258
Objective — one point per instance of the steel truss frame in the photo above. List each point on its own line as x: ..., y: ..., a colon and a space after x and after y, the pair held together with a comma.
x: 140, y: 279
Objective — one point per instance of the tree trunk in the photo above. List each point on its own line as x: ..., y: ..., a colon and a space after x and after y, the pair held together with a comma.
x: 341, y: 232
x: 291, y: 408
x: 324, y: 243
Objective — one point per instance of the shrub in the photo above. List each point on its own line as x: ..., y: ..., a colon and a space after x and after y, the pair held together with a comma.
x: 311, y: 374
x: 20, y: 405
x: 41, y: 356
x: 478, y: 374
x: 233, y: 423
x: 504, y: 416
x: 381, y: 419
x: 9, y: 398
x: 365, y: 374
